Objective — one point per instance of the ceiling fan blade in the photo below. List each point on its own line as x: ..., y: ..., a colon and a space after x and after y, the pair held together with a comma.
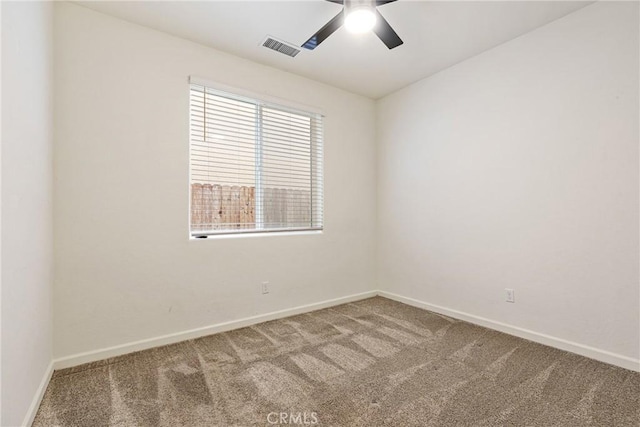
x: 341, y: 1
x: 384, y: 31
x: 380, y: 2
x: 324, y: 32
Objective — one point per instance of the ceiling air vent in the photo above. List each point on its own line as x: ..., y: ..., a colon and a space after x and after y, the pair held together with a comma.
x: 280, y: 46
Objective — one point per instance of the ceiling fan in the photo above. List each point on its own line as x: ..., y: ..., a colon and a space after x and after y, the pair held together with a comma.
x: 358, y: 16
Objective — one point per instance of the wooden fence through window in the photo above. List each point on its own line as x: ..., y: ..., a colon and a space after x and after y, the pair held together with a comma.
x: 225, y: 207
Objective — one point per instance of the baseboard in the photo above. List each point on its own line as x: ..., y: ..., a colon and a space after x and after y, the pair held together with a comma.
x: 37, y: 399
x: 562, y: 344
x: 119, y: 350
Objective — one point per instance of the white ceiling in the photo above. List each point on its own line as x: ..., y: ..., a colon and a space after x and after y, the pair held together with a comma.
x: 436, y: 35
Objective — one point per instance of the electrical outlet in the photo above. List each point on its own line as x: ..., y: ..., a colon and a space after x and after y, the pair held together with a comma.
x: 265, y: 287
x: 511, y: 296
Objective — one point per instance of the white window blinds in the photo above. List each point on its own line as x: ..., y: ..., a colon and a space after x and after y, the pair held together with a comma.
x: 254, y: 166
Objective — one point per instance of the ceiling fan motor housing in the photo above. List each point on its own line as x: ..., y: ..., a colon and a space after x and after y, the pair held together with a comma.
x: 351, y: 5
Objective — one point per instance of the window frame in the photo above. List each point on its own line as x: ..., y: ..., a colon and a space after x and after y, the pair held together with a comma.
x: 316, y: 165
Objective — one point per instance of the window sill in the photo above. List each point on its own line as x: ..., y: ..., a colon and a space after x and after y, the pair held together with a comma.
x: 255, y: 234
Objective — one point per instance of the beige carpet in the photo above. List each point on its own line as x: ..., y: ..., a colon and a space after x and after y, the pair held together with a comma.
x: 371, y: 363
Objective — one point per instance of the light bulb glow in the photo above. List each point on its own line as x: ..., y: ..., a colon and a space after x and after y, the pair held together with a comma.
x: 360, y: 20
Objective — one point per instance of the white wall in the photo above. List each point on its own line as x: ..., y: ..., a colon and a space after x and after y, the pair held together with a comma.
x: 518, y: 168
x: 124, y: 267
x: 26, y: 204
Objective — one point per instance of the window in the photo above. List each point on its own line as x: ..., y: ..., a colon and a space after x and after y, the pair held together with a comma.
x: 254, y: 166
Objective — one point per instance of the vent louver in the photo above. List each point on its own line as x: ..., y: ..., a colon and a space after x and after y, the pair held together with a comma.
x: 280, y: 46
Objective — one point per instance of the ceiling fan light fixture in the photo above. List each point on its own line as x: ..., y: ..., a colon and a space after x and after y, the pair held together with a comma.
x: 360, y: 19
